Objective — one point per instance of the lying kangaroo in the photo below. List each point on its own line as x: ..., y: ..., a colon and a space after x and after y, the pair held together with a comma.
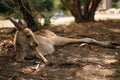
x: 42, y: 42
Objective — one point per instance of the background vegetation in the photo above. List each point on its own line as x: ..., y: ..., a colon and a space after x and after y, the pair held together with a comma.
x: 8, y: 7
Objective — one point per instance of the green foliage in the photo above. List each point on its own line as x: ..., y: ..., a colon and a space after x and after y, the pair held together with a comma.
x: 116, y: 4
x: 9, y: 7
x: 62, y: 6
x: 48, y: 7
x: 42, y: 5
x: 6, y: 6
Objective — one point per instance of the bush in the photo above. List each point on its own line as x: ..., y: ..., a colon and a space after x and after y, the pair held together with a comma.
x: 116, y: 4
x: 6, y: 6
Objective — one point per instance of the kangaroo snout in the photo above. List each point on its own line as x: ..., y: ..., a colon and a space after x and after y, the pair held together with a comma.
x: 33, y: 44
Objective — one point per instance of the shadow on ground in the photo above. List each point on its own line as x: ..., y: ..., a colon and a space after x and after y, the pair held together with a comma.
x: 70, y: 62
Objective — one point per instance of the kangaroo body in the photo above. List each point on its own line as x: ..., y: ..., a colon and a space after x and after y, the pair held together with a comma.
x: 48, y: 40
x: 42, y: 42
x: 46, y: 45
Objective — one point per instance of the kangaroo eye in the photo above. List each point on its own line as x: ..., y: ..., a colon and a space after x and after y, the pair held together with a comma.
x: 28, y: 36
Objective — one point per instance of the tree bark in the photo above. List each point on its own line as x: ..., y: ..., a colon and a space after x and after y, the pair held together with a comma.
x: 88, y: 12
x: 93, y: 8
x: 27, y: 14
x: 75, y: 8
x: 86, y: 9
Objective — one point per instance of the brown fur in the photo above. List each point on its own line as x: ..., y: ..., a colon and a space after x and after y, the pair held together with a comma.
x: 42, y: 42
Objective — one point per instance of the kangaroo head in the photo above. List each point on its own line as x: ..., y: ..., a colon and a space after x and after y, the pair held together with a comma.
x: 25, y: 36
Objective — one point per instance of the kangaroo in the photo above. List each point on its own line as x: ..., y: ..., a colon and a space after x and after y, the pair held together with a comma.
x: 43, y: 42
x: 25, y: 42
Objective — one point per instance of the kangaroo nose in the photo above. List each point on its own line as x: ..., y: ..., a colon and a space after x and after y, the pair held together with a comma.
x: 33, y: 44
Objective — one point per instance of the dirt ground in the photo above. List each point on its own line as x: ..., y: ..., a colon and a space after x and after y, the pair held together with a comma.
x: 69, y: 62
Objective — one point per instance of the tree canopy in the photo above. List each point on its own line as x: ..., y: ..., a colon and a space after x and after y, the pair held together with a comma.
x: 82, y: 10
x: 6, y: 6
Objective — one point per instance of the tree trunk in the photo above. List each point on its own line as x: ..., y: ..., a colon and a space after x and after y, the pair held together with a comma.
x: 88, y: 12
x: 27, y: 14
x: 75, y: 8
x: 86, y: 9
x: 93, y: 8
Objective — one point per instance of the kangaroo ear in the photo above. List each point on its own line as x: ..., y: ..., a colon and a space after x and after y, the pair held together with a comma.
x: 18, y: 26
x: 22, y: 23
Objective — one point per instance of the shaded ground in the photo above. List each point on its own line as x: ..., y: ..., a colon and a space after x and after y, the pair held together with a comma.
x: 70, y: 62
